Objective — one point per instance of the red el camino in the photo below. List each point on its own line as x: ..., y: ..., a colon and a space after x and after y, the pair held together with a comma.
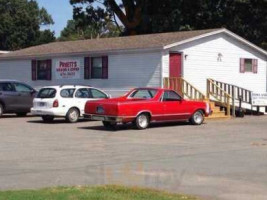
x: 142, y: 106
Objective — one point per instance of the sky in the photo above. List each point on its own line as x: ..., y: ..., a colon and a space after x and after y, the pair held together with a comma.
x: 61, y: 12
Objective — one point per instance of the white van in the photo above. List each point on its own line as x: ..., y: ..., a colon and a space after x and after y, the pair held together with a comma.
x: 64, y: 101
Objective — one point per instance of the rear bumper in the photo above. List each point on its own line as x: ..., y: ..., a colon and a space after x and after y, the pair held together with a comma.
x: 44, y: 112
x: 103, y: 118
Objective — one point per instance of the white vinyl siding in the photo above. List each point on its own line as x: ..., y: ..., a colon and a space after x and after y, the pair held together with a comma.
x: 126, y: 71
x: 202, y: 62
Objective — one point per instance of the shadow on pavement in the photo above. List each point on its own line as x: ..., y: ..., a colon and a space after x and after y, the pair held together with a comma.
x: 122, y: 127
x: 10, y: 116
x: 55, y: 121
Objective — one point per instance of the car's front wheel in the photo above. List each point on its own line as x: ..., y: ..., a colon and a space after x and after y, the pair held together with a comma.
x: 1, y: 110
x: 73, y: 115
x: 48, y: 119
x: 197, y: 118
x: 142, y: 121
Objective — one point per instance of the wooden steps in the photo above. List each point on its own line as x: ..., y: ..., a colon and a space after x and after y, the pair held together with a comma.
x: 217, y: 113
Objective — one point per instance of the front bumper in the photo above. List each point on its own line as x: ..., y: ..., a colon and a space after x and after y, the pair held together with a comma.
x: 103, y: 118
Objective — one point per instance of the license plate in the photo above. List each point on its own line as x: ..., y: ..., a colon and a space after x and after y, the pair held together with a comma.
x: 41, y: 104
x: 99, y: 118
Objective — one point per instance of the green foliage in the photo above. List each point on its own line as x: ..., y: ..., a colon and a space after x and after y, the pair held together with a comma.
x: 247, y: 18
x: 75, y: 31
x: 20, y: 22
x: 92, y: 193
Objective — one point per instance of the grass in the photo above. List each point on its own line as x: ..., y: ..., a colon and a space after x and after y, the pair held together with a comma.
x: 92, y: 193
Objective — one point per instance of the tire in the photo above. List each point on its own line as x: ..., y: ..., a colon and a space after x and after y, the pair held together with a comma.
x: 1, y: 110
x: 109, y: 125
x: 142, y: 121
x: 48, y: 119
x: 197, y: 118
x: 21, y: 114
x: 73, y: 115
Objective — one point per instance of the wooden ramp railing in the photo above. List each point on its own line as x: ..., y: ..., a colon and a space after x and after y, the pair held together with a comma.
x: 237, y: 93
x: 213, y: 90
x: 184, y: 88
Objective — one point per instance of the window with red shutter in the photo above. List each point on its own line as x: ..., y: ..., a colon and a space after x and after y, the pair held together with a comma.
x: 248, y: 65
x: 41, y: 69
x: 99, y: 67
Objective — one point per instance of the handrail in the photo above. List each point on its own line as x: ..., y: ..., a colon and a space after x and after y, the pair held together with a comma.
x: 184, y: 88
x: 238, y: 93
x: 219, y: 94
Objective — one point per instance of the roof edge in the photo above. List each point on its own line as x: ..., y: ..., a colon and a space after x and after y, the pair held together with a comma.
x: 25, y: 57
x: 223, y: 30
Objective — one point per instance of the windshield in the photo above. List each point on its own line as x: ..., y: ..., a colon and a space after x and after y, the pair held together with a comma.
x: 143, y: 94
x: 47, y: 93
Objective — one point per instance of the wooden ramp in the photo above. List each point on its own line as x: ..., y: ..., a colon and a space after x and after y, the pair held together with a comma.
x: 188, y: 91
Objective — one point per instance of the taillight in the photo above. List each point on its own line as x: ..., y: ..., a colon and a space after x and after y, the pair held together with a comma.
x: 55, y: 104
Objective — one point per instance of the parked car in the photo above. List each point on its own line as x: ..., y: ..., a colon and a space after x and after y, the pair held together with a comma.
x: 145, y: 105
x: 64, y: 101
x: 15, y: 97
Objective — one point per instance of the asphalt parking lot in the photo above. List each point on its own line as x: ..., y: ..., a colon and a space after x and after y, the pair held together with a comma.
x: 218, y: 160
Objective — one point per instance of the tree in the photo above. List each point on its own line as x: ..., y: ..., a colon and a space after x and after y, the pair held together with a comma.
x: 247, y: 18
x: 79, y: 31
x: 20, y: 22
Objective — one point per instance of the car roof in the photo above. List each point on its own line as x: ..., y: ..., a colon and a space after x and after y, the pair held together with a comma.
x: 10, y: 80
x: 66, y: 86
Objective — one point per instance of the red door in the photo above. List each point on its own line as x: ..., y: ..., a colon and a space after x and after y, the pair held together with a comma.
x: 175, y: 65
x: 175, y: 71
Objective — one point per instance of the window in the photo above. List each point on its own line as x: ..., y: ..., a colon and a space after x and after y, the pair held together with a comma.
x: 6, y: 87
x: 67, y: 93
x: 47, y: 93
x: 171, y: 96
x: 83, y: 93
x: 248, y: 65
x: 97, y: 68
x: 41, y: 70
x: 22, y: 88
x: 143, y: 94
x: 96, y: 94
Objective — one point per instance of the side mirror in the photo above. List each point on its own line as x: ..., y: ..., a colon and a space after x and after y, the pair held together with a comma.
x: 109, y: 96
x: 33, y: 91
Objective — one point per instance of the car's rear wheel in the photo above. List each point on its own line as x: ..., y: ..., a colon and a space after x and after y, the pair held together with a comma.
x: 109, y: 125
x: 1, y: 110
x: 197, y: 118
x: 21, y: 114
x: 73, y: 115
x: 142, y: 121
x: 48, y: 118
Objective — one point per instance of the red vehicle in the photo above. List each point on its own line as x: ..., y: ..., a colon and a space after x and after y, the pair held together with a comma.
x: 142, y: 106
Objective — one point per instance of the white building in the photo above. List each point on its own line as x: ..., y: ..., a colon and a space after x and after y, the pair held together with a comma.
x: 117, y: 64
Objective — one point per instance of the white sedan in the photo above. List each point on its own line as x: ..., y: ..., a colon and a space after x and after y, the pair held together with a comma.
x: 64, y: 101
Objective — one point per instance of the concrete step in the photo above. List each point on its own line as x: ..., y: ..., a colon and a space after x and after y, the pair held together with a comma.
x: 219, y: 118
x: 216, y: 109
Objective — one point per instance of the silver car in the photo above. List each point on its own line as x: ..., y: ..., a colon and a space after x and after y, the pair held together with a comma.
x: 15, y: 97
